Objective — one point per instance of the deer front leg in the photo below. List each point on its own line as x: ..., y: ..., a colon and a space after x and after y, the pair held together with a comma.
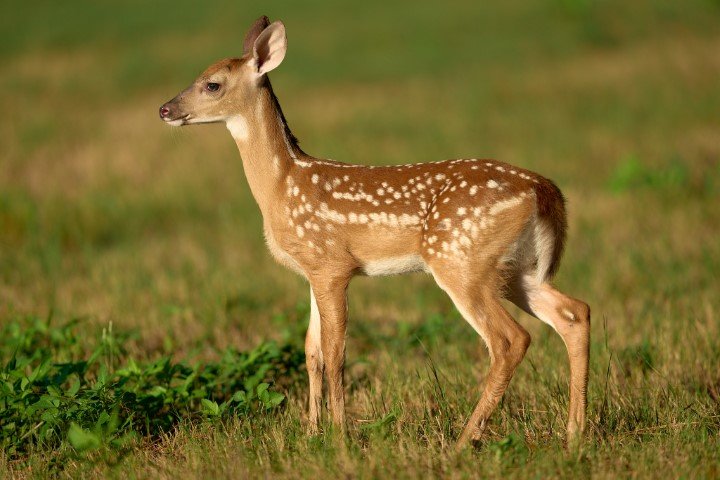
x: 315, y: 365
x: 331, y: 299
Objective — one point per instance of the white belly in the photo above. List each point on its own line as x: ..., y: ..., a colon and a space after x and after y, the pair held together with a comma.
x: 395, y: 265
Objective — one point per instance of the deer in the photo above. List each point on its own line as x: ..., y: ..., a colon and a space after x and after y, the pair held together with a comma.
x: 486, y: 231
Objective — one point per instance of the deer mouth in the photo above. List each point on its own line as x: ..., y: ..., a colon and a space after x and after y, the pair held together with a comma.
x: 179, y: 121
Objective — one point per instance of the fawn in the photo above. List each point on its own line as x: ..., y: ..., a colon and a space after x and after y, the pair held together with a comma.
x: 484, y: 230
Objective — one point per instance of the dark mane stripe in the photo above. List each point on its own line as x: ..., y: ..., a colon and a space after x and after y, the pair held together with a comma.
x: 294, y: 142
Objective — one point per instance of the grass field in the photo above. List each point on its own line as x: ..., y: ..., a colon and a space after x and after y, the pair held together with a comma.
x: 111, y: 218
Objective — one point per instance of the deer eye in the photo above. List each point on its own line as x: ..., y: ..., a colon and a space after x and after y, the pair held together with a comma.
x: 212, y: 87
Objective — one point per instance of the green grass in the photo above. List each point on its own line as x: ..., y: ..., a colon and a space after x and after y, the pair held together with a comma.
x: 108, y: 216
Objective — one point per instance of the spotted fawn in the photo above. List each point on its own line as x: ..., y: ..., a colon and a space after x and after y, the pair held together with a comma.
x: 484, y: 230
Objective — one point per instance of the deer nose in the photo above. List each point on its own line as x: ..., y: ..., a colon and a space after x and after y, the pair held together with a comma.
x: 164, y: 111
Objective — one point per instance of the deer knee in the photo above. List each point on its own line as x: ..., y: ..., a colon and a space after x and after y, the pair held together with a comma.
x: 511, y: 349
x: 575, y: 315
x: 575, y: 329
x: 520, y: 342
x: 314, y: 361
x: 313, y: 355
x: 524, y: 340
x: 583, y: 314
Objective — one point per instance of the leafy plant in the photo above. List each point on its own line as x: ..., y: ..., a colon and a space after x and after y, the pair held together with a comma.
x: 49, y: 394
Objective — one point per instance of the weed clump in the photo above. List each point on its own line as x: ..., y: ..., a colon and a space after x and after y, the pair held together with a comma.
x: 52, y: 395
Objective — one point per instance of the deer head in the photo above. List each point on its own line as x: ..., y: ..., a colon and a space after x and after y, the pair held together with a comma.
x: 229, y: 88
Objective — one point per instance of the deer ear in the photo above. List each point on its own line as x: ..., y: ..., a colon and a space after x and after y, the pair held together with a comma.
x: 252, y: 34
x: 270, y: 47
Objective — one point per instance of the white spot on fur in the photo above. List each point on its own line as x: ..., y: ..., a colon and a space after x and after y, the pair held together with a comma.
x: 444, y: 224
x: 332, y: 215
x: 504, y: 205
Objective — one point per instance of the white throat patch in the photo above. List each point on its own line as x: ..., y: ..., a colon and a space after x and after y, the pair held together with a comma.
x: 238, y: 127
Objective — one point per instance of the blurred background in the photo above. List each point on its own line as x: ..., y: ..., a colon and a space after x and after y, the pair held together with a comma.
x: 109, y: 215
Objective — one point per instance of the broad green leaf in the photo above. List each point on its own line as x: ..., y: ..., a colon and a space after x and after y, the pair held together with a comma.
x: 261, y: 388
x: 240, y: 397
x: 73, y: 388
x: 274, y: 399
x: 210, y: 407
x: 81, y: 439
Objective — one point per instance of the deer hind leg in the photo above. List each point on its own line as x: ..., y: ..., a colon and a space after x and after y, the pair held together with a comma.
x: 506, y: 340
x: 331, y: 300
x: 571, y: 319
x: 315, y: 365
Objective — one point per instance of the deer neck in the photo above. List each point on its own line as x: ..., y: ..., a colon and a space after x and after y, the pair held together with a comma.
x: 267, y: 148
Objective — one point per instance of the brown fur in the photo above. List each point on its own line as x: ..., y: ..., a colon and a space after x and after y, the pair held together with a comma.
x: 256, y: 29
x: 471, y: 223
